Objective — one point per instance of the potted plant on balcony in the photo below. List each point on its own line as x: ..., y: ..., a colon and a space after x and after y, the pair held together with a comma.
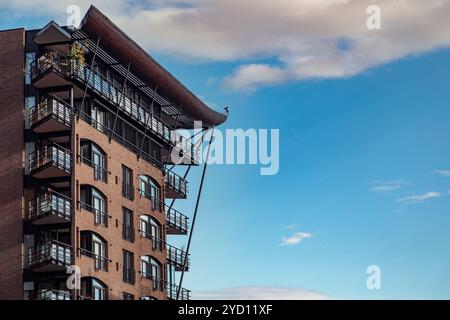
x: 76, y: 55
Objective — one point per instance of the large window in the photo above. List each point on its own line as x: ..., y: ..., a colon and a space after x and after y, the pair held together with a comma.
x: 127, y: 183
x: 94, y: 246
x: 128, y: 267
x: 151, y: 229
x: 94, y: 156
x: 128, y: 226
x: 151, y: 190
x: 94, y: 201
x: 151, y: 269
x: 92, y: 288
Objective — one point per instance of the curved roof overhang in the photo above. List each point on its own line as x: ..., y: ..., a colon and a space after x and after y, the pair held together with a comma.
x: 118, y: 44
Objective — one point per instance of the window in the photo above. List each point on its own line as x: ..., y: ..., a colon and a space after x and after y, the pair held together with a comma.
x: 151, y: 229
x: 128, y: 267
x: 127, y: 183
x: 95, y: 247
x: 30, y: 57
x: 94, y: 201
x: 99, y: 118
x: 94, y: 156
x: 30, y: 102
x: 128, y: 227
x: 127, y: 296
x: 151, y: 269
x: 94, y: 289
x: 148, y: 298
x: 150, y: 189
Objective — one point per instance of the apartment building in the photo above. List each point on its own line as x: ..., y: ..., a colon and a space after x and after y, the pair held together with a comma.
x: 88, y: 127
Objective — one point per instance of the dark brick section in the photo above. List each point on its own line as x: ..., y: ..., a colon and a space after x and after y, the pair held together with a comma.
x: 11, y: 168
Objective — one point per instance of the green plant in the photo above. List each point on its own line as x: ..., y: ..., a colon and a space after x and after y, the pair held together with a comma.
x: 77, y: 54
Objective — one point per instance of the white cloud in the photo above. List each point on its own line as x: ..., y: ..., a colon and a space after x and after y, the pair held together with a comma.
x: 380, y: 186
x: 294, y: 239
x: 420, y: 198
x: 259, y: 293
x: 289, y: 227
x: 444, y: 173
x: 305, y: 39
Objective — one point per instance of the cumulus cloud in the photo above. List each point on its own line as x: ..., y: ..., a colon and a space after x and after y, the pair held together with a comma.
x: 259, y: 293
x: 294, y: 239
x: 419, y: 198
x: 381, y: 186
x: 303, y: 39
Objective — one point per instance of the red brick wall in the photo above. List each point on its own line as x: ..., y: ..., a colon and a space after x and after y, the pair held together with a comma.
x: 12, y: 45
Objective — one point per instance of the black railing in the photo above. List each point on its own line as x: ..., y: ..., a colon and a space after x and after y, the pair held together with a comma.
x: 129, y: 275
x: 158, y: 284
x: 100, y: 262
x: 128, y: 191
x: 128, y: 232
x: 157, y: 243
x: 52, y: 154
x: 177, y: 257
x: 176, y: 220
x: 66, y: 67
x: 100, y: 217
x: 51, y: 107
x: 100, y: 172
x: 156, y: 203
x: 53, y: 295
x: 176, y: 183
x: 172, y: 291
x: 51, y: 203
x: 50, y: 61
x: 53, y: 252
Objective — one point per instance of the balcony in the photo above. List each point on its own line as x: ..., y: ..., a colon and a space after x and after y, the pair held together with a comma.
x: 176, y: 222
x: 176, y: 186
x: 50, y: 161
x: 53, y: 295
x: 50, y: 257
x: 178, y: 258
x: 50, y: 208
x: 54, y: 69
x: 172, y: 291
x: 50, y: 70
x: 51, y: 115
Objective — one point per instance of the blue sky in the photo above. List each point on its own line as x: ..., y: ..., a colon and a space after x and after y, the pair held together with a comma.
x: 382, y: 126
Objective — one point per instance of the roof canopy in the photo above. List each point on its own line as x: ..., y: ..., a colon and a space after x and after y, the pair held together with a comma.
x: 118, y: 44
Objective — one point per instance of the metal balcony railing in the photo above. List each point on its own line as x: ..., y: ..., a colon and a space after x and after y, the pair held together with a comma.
x: 129, y: 275
x: 113, y: 93
x: 100, y: 262
x: 51, y: 203
x: 52, y: 154
x: 51, y: 107
x: 156, y: 203
x: 53, y: 295
x: 176, y: 221
x: 128, y: 232
x: 52, y: 252
x: 176, y: 184
x: 128, y: 191
x: 178, y: 258
x: 100, y: 173
x: 158, y: 284
x: 50, y: 61
x: 172, y: 291
x: 157, y: 243
x: 100, y: 217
